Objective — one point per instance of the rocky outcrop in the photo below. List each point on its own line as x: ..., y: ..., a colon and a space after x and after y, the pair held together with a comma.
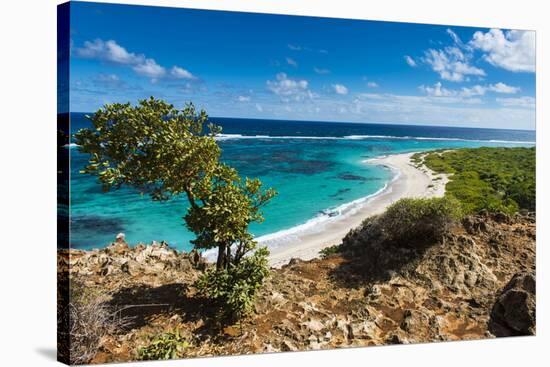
x: 368, y: 294
x: 120, y: 262
x: 514, y: 312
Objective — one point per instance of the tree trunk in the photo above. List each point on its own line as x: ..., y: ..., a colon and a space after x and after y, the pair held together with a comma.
x: 228, y: 257
x: 220, y: 263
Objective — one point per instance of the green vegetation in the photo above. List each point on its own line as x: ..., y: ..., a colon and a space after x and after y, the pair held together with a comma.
x: 166, y: 152
x: 234, y: 288
x: 331, y: 250
x: 412, y: 220
x: 494, y: 179
x: 169, y: 345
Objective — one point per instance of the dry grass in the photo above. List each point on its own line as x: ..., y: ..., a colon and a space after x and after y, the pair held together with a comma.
x: 89, y: 319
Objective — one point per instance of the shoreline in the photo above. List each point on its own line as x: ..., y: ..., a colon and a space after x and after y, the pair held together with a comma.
x: 409, y: 181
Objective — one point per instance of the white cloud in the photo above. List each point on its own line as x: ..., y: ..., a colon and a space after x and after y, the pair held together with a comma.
x: 512, y: 50
x: 104, y: 82
x: 243, y: 98
x: 525, y: 102
x: 467, y: 92
x: 503, y: 88
x: 437, y: 90
x: 259, y: 107
x: 108, y: 51
x: 290, y: 61
x: 372, y: 85
x: 289, y: 89
x: 451, y: 64
x: 476, y: 90
x: 409, y: 60
x: 457, y: 41
x: 340, y: 89
x: 150, y: 68
x: 454, y: 36
x: 181, y: 73
x: 321, y: 70
x: 111, y: 51
x: 295, y: 47
x: 449, y: 111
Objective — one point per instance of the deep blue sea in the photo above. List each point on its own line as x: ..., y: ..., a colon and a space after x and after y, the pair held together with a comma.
x: 316, y: 167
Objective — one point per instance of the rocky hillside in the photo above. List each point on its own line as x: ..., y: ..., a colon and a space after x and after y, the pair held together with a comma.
x: 366, y: 294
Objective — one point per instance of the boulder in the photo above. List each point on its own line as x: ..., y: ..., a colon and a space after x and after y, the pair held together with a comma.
x: 474, y: 225
x: 131, y: 267
x: 514, y: 312
x: 121, y: 237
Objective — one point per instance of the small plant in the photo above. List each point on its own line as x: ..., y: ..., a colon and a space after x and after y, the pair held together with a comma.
x: 331, y: 250
x: 168, y: 345
x: 233, y: 289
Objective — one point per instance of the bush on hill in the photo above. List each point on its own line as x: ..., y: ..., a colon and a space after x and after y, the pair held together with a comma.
x: 412, y: 220
x: 494, y: 179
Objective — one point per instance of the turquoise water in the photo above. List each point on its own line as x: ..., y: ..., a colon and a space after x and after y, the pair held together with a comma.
x: 314, y: 167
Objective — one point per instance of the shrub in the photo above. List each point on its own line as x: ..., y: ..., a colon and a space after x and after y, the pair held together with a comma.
x: 331, y: 250
x: 89, y: 320
x: 233, y: 289
x: 168, y: 345
x: 493, y: 179
x: 413, y: 220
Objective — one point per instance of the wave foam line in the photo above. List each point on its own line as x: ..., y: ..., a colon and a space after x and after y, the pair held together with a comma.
x: 317, y: 223
x: 366, y: 137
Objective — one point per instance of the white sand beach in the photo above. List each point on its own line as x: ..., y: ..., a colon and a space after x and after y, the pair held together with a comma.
x: 410, y: 182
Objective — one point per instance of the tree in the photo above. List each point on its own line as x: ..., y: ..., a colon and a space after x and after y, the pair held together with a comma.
x: 166, y: 152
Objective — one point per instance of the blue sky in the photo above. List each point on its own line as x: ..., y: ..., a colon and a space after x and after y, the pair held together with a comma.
x: 302, y: 68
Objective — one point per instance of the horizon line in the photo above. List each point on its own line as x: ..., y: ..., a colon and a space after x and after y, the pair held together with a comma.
x: 345, y: 122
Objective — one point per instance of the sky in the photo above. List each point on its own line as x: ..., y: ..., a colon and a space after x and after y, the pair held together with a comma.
x: 248, y: 65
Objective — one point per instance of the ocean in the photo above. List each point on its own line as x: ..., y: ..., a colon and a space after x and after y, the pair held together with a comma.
x: 317, y: 168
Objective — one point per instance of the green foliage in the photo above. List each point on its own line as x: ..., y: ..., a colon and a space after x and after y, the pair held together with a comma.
x: 331, y: 250
x: 234, y: 288
x: 169, y: 345
x: 411, y: 220
x: 165, y: 152
x: 494, y: 179
x: 229, y: 205
x: 154, y: 147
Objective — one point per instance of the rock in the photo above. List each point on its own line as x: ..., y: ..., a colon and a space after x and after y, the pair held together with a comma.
x: 106, y: 270
x: 414, y: 322
x: 185, y: 265
x: 501, y: 218
x: 268, y: 348
x: 131, y: 267
x: 397, y: 337
x: 278, y: 299
x: 121, y: 237
x: 345, y: 328
x: 514, y: 312
x: 232, y: 331
x: 363, y: 329
x: 288, y: 346
x: 118, y: 248
x: 313, y: 325
x: 294, y: 261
